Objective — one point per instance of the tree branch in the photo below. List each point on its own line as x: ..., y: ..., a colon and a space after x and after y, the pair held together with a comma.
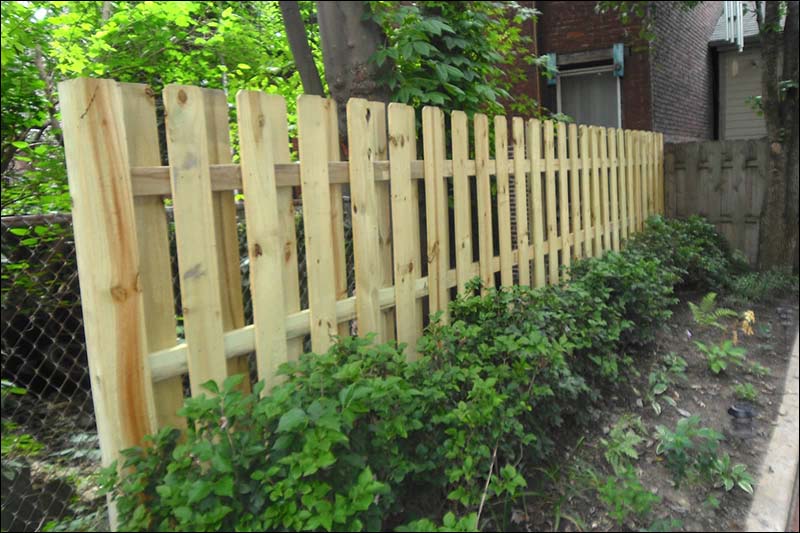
x: 298, y: 43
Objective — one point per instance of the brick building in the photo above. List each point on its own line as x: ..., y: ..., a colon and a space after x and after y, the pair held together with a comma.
x: 608, y: 76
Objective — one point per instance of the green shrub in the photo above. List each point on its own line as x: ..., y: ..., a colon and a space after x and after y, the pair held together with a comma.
x: 692, y: 249
x: 760, y: 286
x: 624, y: 495
x: 638, y: 287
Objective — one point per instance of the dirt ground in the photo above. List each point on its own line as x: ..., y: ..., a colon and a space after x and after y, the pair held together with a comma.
x: 561, y: 499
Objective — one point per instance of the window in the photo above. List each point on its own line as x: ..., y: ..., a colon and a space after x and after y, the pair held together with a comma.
x: 590, y: 96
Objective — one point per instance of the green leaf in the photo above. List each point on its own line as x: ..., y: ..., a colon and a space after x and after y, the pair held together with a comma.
x: 19, y: 144
x: 293, y: 419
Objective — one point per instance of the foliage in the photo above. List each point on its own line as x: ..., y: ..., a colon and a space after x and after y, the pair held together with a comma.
x: 15, y: 444
x: 638, y: 287
x: 745, y: 391
x: 622, y: 441
x: 456, y: 55
x: 719, y: 356
x: 449, y: 523
x: 757, y: 369
x: 689, y: 450
x: 624, y: 495
x: 214, y: 44
x: 761, y: 286
x: 692, y: 249
x: 727, y: 475
x: 707, y: 313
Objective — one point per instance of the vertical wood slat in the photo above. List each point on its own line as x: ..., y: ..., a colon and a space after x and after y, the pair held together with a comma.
x: 155, y: 270
x: 226, y: 227
x: 604, y: 193
x: 563, y: 195
x: 503, y: 201
x: 642, y: 145
x: 521, y: 200
x: 98, y: 169
x: 537, y: 216
x: 660, y: 171
x: 634, y: 188
x: 405, y: 221
x: 193, y: 208
x: 614, y: 185
x: 461, y: 199
x: 381, y: 153
x: 264, y: 242
x: 484, y: 193
x: 364, y: 204
x: 313, y: 116
x: 586, y: 192
x: 597, y: 223
x: 436, y: 207
x: 622, y: 163
x: 274, y: 111
x: 575, y: 192
x: 336, y: 221
x: 550, y: 195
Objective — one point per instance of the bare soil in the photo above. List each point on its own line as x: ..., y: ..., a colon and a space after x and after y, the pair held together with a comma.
x: 561, y: 499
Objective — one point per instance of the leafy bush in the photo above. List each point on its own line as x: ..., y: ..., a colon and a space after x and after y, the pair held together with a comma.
x: 692, y: 249
x: 623, y: 494
x: 745, y: 391
x: 638, y: 287
x: 760, y: 286
x: 358, y: 438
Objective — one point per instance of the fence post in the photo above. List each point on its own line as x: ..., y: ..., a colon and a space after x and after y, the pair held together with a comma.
x: 575, y: 192
x: 613, y: 164
x: 586, y: 192
x: 563, y: 197
x: 524, y: 203
x: 108, y: 264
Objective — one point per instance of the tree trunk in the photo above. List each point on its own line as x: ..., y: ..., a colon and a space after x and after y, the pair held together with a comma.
x: 779, y: 217
x: 298, y: 43
x: 349, y: 40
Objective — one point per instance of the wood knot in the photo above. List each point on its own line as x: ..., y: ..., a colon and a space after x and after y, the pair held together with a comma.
x: 119, y: 293
x: 257, y: 250
x: 149, y: 92
x: 182, y: 96
x: 261, y: 121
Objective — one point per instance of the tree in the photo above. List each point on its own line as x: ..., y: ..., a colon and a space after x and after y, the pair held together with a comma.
x: 298, y: 41
x: 778, y: 31
x: 779, y: 100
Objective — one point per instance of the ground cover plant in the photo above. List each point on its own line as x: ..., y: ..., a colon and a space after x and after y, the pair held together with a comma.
x: 359, y: 438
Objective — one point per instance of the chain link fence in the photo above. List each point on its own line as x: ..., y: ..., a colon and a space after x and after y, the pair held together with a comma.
x: 50, y: 449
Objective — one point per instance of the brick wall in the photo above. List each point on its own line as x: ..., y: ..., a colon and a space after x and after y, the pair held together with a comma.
x: 566, y: 27
x: 682, y: 71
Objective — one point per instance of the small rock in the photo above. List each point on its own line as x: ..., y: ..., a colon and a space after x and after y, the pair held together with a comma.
x: 683, y: 412
x: 639, y: 403
x: 606, y: 430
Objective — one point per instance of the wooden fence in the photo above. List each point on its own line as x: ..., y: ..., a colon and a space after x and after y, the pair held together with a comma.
x: 725, y: 181
x: 578, y: 192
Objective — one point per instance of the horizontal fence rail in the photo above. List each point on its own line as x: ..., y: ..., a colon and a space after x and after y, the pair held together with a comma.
x: 421, y: 228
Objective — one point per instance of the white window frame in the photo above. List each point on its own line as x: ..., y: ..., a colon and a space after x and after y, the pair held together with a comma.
x: 590, y: 70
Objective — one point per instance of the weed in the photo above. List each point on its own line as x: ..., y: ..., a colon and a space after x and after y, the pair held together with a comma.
x: 745, y: 391
x: 623, y: 494
x: 622, y: 441
x: 690, y: 449
x: 719, y: 356
x: 757, y: 369
x: 761, y: 286
x: 727, y: 475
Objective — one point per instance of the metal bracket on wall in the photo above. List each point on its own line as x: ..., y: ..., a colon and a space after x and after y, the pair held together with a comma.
x: 618, y: 53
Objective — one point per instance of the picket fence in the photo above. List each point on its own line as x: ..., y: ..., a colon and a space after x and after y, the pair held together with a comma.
x: 575, y: 191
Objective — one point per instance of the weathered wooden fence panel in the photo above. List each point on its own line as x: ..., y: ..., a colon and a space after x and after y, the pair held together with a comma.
x: 577, y: 192
x: 724, y: 181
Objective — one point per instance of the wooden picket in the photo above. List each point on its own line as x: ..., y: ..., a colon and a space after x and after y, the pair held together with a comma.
x: 577, y: 192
